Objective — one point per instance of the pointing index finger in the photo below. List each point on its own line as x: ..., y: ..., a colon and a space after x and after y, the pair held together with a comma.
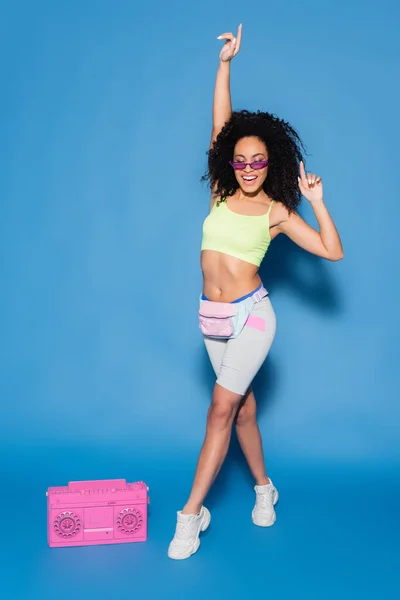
x: 239, y: 37
x: 303, y: 174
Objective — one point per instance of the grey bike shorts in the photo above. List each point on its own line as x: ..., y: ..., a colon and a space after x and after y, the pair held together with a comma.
x: 236, y: 361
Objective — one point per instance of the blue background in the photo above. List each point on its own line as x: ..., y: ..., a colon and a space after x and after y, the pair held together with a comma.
x: 105, y: 118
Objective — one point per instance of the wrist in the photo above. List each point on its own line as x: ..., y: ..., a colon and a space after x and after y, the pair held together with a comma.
x: 318, y: 202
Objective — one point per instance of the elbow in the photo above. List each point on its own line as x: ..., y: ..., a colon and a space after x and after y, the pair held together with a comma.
x: 336, y: 256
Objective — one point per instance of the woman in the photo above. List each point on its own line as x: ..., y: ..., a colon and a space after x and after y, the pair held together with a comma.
x: 254, y: 165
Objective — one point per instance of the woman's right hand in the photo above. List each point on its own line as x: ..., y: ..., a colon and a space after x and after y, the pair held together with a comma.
x: 231, y: 46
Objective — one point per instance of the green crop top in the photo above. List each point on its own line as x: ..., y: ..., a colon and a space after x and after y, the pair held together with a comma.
x: 242, y: 236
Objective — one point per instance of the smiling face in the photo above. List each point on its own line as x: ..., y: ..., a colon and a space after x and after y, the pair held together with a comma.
x: 250, y: 150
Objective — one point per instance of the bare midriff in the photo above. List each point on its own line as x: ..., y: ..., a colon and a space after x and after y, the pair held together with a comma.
x: 227, y: 278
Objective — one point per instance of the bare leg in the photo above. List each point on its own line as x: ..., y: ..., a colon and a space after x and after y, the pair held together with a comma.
x: 249, y: 437
x: 220, y: 418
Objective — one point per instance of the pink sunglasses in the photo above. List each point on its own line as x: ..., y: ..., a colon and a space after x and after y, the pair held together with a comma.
x: 257, y: 164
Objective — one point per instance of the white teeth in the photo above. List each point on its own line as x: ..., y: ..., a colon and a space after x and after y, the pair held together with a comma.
x: 249, y: 178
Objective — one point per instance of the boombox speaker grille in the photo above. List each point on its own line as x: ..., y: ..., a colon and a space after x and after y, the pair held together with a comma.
x: 129, y: 521
x: 67, y: 524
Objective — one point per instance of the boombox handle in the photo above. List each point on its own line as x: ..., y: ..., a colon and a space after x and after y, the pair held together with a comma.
x: 76, y: 486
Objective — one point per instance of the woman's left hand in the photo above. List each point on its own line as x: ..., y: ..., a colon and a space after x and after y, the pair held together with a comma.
x: 310, y: 185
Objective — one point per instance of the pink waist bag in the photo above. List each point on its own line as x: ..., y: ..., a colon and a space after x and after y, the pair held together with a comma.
x: 225, y: 320
x: 86, y: 513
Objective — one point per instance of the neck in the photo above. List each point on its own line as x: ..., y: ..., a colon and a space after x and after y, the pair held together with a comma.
x: 249, y: 196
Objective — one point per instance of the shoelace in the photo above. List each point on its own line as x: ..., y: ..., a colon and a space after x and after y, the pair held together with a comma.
x: 182, y: 531
x: 264, y: 500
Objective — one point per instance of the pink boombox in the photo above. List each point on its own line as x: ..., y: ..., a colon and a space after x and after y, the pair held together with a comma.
x: 85, y: 513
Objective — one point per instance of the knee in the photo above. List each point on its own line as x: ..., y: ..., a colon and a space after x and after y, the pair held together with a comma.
x: 221, y: 414
x: 246, y: 416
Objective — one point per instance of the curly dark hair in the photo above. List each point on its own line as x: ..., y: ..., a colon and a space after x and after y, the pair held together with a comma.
x: 285, y: 153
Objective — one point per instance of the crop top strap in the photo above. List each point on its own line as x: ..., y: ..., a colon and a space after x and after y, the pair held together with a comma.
x: 270, y: 206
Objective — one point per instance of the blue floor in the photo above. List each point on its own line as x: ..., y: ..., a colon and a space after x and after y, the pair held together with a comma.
x: 106, y: 117
x: 336, y: 534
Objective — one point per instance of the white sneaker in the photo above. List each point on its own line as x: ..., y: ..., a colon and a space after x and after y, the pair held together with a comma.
x: 263, y: 513
x: 186, y: 539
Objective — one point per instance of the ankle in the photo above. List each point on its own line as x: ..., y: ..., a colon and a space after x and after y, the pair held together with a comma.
x: 263, y: 481
x: 191, y: 509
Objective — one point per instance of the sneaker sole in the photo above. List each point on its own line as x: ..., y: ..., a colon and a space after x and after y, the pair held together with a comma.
x: 265, y: 522
x: 205, y: 522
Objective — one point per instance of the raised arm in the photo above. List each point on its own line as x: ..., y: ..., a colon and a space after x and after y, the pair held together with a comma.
x: 326, y: 242
x: 222, y: 106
